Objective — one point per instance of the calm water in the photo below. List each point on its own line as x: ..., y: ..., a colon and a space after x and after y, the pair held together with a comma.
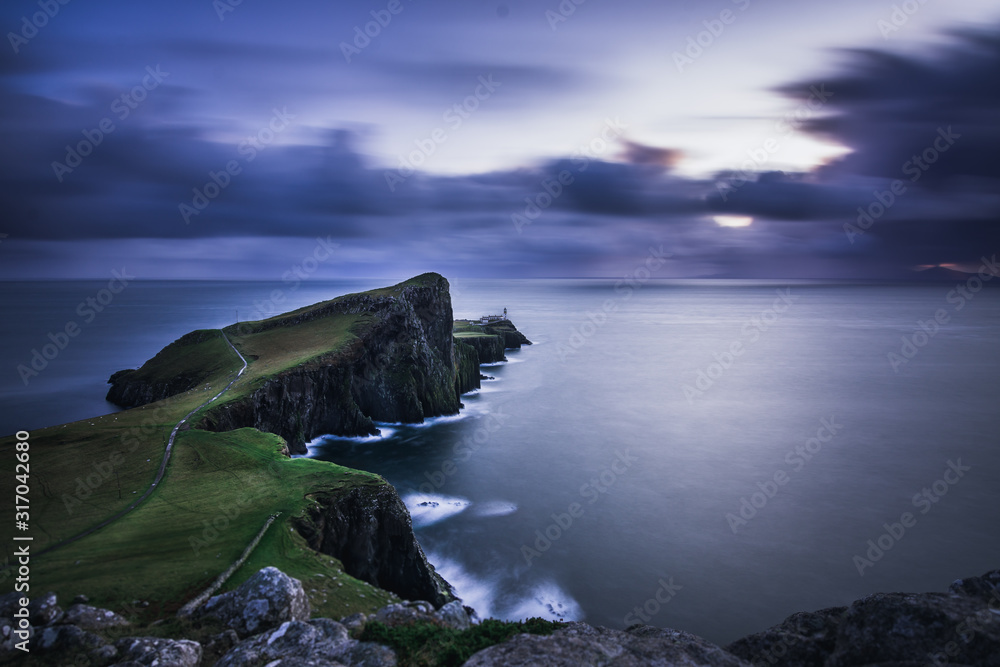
x: 593, y: 424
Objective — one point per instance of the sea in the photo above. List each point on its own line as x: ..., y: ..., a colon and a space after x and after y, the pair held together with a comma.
x: 710, y: 456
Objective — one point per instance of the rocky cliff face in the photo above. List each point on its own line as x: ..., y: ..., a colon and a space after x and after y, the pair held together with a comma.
x: 467, y: 373
x: 399, y: 366
x: 368, y: 529
x: 488, y: 348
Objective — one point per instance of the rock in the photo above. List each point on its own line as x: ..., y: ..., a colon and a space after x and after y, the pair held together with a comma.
x: 64, y: 643
x: 902, y: 627
x: 366, y: 654
x: 154, y: 652
x: 264, y: 601
x: 805, y: 638
x: 91, y: 618
x: 218, y: 645
x: 44, y: 610
x: 81, y: 599
x: 957, y: 628
x: 65, y: 639
x: 986, y: 587
x: 398, y: 614
x: 582, y: 644
x: 320, y: 643
x: 355, y: 624
x: 453, y: 615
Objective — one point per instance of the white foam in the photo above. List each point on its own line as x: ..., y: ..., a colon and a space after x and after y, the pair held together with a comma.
x: 548, y: 601
x: 427, y: 509
x: 494, y: 363
x: 495, y: 508
x: 474, y: 591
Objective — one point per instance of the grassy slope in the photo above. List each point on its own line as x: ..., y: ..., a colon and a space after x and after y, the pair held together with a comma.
x: 462, y: 329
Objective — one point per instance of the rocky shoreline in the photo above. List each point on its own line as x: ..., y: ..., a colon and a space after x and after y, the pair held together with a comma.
x: 266, y: 622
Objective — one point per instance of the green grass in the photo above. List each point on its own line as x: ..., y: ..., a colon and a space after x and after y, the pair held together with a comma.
x: 196, y: 357
x: 218, y: 491
x: 431, y: 645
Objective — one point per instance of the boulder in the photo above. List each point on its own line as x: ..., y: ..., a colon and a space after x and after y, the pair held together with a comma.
x: 44, y: 610
x: 61, y: 644
x: 986, y: 587
x: 924, y: 628
x: 263, y: 602
x: 451, y: 615
x: 91, y: 618
x: 805, y: 638
x: 582, y: 644
x: 218, y: 645
x: 154, y: 652
x: 961, y: 627
x: 355, y: 624
x: 318, y: 643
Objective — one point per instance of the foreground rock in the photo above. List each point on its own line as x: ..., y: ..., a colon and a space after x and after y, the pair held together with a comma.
x: 269, y: 624
x: 264, y: 601
x: 961, y: 627
x: 582, y: 644
x: 318, y: 643
x: 154, y: 652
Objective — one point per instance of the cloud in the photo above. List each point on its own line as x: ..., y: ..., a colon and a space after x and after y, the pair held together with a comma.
x: 314, y: 181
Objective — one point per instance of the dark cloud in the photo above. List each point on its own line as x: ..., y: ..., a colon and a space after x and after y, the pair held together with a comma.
x: 891, y: 108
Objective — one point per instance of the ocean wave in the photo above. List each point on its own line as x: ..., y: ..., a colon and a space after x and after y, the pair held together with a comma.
x: 427, y: 509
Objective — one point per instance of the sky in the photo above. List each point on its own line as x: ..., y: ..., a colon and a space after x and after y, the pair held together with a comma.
x: 239, y: 139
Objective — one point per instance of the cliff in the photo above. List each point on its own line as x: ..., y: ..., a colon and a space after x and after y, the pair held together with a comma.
x: 335, y: 367
x: 368, y: 530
